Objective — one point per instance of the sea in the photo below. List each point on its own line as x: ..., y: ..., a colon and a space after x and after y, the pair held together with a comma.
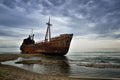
x: 89, y: 63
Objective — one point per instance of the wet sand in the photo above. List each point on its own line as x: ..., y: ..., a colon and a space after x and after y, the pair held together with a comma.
x: 8, y: 72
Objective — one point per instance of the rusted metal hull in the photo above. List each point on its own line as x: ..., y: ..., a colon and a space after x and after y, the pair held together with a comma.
x: 56, y: 46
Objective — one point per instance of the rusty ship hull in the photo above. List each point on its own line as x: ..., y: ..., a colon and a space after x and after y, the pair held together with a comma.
x: 52, y: 46
x: 56, y: 46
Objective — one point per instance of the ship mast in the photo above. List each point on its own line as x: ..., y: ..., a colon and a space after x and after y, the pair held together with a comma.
x: 48, y: 32
x: 32, y: 35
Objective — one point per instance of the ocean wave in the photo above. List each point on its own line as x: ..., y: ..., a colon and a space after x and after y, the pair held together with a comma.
x: 99, y: 65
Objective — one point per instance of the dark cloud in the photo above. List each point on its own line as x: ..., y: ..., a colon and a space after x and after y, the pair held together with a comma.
x: 9, y: 16
x: 13, y: 33
x: 57, y: 2
x: 105, y: 14
x: 100, y: 17
x: 7, y: 33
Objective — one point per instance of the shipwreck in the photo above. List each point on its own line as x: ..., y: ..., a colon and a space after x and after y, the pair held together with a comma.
x: 51, y: 46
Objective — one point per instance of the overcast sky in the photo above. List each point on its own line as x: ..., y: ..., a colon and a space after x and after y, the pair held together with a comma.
x: 94, y: 23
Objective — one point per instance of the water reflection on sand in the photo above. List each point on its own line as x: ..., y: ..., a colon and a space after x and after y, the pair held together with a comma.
x: 54, y: 65
x: 87, y: 65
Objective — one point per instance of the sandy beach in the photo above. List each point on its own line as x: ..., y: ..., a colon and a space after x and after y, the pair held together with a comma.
x: 8, y: 72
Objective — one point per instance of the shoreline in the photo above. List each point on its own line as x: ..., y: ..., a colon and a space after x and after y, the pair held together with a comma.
x: 8, y: 72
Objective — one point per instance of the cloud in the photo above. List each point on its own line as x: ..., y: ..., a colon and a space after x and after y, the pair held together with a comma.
x: 89, y: 18
x: 104, y: 14
x: 9, y: 17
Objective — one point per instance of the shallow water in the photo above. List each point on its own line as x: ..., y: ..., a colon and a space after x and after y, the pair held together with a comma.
x: 79, y: 64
